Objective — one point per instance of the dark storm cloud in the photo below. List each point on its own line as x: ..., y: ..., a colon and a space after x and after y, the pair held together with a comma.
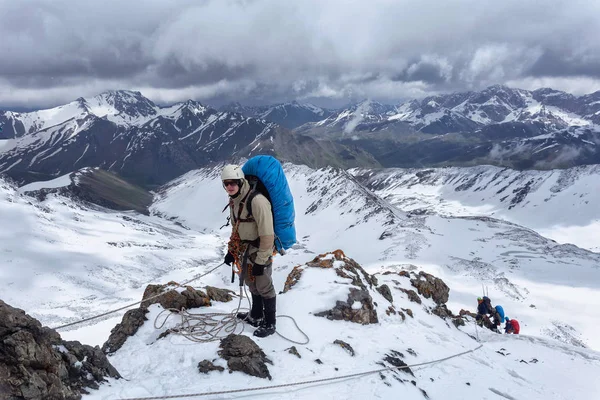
x: 565, y: 63
x: 53, y: 51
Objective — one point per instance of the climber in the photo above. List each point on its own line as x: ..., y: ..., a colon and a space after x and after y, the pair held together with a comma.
x: 512, y: 326
x: 484, y: 307
x: 251, y: 247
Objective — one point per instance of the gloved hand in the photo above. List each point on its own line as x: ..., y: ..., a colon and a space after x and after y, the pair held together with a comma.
x: 259, y: 269
x: 229, y: 259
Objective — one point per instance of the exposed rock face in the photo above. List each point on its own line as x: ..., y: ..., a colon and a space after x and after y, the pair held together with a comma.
x: 412, y: 295
x: 216, y: 294
x: 345, y: 346
x: 131, y: 322
x: 170, y: 298
x: 35, y: 363
x: 385, y: 291
x: 442, y: 311
x: 345, y: 267
x: 206, y: 366
x: 188, y: 298
x: 431, y: 287
x: 364, y: 315
x: 243, y: 355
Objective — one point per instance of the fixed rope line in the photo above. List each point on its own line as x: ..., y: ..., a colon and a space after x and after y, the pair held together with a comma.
x: 134, y: 304
x: 334, y: 378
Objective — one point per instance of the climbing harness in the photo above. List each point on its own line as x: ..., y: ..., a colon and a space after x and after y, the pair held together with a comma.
x: 333, y: 378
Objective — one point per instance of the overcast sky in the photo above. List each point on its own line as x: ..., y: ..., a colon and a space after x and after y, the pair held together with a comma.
x: 328, y: 52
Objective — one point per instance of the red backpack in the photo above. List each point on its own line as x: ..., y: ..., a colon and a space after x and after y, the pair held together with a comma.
x: 515, y: 325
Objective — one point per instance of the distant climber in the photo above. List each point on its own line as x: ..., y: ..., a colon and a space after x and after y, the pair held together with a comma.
x: 498, y: 316
x: 484, y: 307
x: 512, y: 326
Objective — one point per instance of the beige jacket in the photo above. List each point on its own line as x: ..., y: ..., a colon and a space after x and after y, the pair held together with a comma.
x: 261, y: 228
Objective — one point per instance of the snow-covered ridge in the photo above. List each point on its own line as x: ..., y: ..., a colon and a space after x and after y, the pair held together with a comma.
x: 387, y: 328
x: 561, y: 204
x: 334, y: 211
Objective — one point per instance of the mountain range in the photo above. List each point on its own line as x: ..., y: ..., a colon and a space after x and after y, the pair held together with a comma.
x: 124, y: 132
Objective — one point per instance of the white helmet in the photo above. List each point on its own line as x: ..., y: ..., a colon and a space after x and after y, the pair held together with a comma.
x: 232, y: 172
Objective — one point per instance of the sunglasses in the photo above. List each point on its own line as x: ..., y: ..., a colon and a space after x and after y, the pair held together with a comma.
x: 230, y: 183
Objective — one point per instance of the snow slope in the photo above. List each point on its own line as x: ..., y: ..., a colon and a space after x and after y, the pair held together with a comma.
x: 84, y: 260
x: 519, y: 267
x: 559, y: 204
x: 73, y: 260
x: 506, y: 366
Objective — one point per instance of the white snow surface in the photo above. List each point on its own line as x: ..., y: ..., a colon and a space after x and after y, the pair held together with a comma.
x: 61, y: 181
x: 559, y: 204
x: 83, y: 260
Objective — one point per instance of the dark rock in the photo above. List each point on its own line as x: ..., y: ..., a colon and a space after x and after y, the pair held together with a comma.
x: 216, y: 294
x: 386, y: 292
x: 412, y: 295
x: 243, y: 355
x: 431, y: 287
x: 318, y: 361
x: 458, y: 322
x: 172, y: 299
x: 394, y: 358
x: 293, y: 350
x: 130, y: 323
x: 345, y: 346
x: 402, y: 315
x: 390, y: 310
x: 408, y: 311
x: 366, y: 314
x: 442, y: 311
x: 411, y: 352
x: 349, y: 269
x: 206, y: 366
x: 467, y: 312
x: 35, y: 363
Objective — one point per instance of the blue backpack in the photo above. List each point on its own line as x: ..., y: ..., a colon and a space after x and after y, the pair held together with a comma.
x: 501, y: 312
x: 265, y: 174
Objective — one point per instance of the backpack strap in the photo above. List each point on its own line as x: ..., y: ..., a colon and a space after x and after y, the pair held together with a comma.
x: 245, y: 203
x: 251, y: 197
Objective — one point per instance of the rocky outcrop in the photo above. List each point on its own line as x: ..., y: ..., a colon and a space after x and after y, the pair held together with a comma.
x: 131, y: 322
x: 412, y: 295
x: 431, y: 287
x: 243, y: 355
x: 345, y: 267
x: 385, y: 291
x: 357, y: 308
x: 205, y: 366
x: 173, y: 297
x: 216, y: 294
x: 35, y: 363
x: 345, y: 346
x: 169, y: 296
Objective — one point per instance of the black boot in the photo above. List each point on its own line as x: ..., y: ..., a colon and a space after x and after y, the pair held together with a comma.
x: 256, y: 313
x: 268, y: 327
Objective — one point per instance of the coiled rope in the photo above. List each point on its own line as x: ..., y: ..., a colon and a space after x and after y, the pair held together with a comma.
x: 197, y: 327
x: 208, y: 327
